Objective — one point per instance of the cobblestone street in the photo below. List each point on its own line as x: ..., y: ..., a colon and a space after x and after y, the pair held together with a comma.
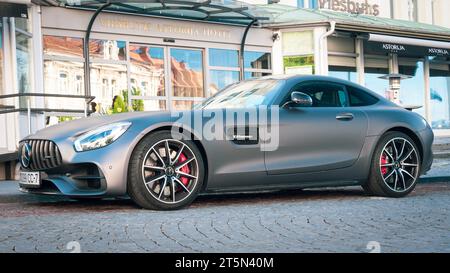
x: 329, y: 220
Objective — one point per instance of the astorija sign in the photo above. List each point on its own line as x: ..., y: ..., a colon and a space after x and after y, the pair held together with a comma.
x: 351, y: 6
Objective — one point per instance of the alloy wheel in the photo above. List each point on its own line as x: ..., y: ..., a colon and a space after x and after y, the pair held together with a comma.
x: 170, y: 171
x: 399, y: 165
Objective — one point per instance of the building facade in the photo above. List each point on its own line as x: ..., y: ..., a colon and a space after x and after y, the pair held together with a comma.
x: 163, y: 62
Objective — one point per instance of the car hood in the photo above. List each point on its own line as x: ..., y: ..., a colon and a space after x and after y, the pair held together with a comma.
x: 77, y: 127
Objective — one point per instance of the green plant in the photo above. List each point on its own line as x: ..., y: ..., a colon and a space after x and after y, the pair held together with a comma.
x: 119, y: 105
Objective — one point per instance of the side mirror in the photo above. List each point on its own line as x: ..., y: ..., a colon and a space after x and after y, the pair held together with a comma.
x: 301, y: 99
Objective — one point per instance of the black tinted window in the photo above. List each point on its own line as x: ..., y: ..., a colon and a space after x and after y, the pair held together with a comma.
x: 359, y: 98
x: 325, y: 94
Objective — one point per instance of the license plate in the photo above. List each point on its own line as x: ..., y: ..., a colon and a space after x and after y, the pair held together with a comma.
x: 32, y: 179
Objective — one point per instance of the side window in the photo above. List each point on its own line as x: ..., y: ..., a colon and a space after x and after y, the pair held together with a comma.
x: 360, y: 98
x: 325, y: 94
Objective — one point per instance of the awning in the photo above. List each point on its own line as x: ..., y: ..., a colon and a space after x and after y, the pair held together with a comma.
x: 8, y: 9
x: 406, y: 46
x: 224, y: 11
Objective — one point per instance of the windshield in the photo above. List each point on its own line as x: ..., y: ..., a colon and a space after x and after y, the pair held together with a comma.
x: 244, y: 95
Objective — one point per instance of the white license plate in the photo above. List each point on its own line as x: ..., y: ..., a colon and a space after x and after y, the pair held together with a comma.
x: 30, y: 179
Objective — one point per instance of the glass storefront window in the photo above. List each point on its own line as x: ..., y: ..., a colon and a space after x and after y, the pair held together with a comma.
x: 2, y: 62
x: 186, y: 72
x: 219, y: 79
x: 108, y: 81
x: 61, y: 46
x: 66, y: 78
x: 412, y: 90
x: 342, y: 68
x: 182, y: 104
x: 23, y: 61
x: 253, y: 75
x: 373, y: 70
x: 257, y: 60
x: 223, y: 57
x: 107, y: 50
x: 342, y: 72
x: 440, y: 95
x: 154, y: 105
x: 147, y: 70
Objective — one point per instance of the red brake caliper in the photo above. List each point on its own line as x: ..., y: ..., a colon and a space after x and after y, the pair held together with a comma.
x: 384, y: 161
x: 184, y: 169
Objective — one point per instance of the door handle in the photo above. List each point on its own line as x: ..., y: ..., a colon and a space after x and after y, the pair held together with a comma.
x: 345, y: 117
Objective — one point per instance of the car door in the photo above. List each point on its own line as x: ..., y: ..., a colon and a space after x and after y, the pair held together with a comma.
x: 329, y: 135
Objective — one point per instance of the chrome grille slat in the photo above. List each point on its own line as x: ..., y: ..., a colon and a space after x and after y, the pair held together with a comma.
x: 44, y: 155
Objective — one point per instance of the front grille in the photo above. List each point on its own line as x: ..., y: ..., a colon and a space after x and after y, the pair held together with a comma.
x: 44, y: 155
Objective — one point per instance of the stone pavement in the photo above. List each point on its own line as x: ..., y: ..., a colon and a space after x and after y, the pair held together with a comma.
x: 327, y: 220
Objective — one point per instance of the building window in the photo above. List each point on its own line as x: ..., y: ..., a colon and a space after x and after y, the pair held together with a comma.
x: 186, y: 69
x: 298, y: 58
x: 413, y: 10
x: 440, y: 92
x: 412, y: 90
x: 342, y: 58
x: 107, y: 50
x: 23, y: 55
x: 376, y: 67
x: 2, y: 60
x: 147, y: 67
x: 63, y: 71
x: 257, y: 64
x: 224, y: 69
x: 313, y: 4
x: 300, y: 3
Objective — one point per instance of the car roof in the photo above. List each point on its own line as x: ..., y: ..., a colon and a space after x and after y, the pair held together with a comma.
x: 292, y: 79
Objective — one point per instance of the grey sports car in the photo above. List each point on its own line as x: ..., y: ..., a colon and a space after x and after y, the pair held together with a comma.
x: 277, y: 132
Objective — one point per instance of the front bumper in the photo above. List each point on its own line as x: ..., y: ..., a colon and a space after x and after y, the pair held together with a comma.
x: 96, y: 173
x: 76, y: 180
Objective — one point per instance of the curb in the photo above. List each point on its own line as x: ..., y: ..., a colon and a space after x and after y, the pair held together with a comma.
x: 436, y: 179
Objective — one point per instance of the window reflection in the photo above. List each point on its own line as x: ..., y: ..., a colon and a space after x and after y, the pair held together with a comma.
x: 63, y: 46
x: 440, y: 95
x: 1, y: 61
x: 412, y: 90
x: 23, y: 62
x: 374, y: 69
x: 253, y: 75
x: 223, y: 57
x: 154, y: 105
x: 257, y: 60
x: 147, y: 69
x: 107, y: 50
x: 220, y: 79
x: 108, y: 81
x: 66, y: 78
x: 186, y: 72
x: 182, y: 104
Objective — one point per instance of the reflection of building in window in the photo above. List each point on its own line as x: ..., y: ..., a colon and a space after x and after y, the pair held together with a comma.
x: 412, y: 10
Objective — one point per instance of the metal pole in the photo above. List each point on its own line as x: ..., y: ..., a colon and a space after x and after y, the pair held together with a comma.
x: 87, y: 67
x: 241, y: 53
x: 29, y: 115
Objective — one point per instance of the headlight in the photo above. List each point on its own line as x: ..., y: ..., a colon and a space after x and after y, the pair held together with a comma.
x: 100, y: 137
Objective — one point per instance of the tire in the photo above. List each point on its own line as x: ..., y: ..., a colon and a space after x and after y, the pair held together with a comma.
x: 157, y: 183
x: 391, y: 174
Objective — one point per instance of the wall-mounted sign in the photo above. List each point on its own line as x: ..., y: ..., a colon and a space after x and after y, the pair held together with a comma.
x: 351, y: 6
x: 13, y: 10
x: 404, y: 50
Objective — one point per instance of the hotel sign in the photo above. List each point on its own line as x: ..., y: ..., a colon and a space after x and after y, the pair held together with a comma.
x: 405, y: 50
x: 351, y: 6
